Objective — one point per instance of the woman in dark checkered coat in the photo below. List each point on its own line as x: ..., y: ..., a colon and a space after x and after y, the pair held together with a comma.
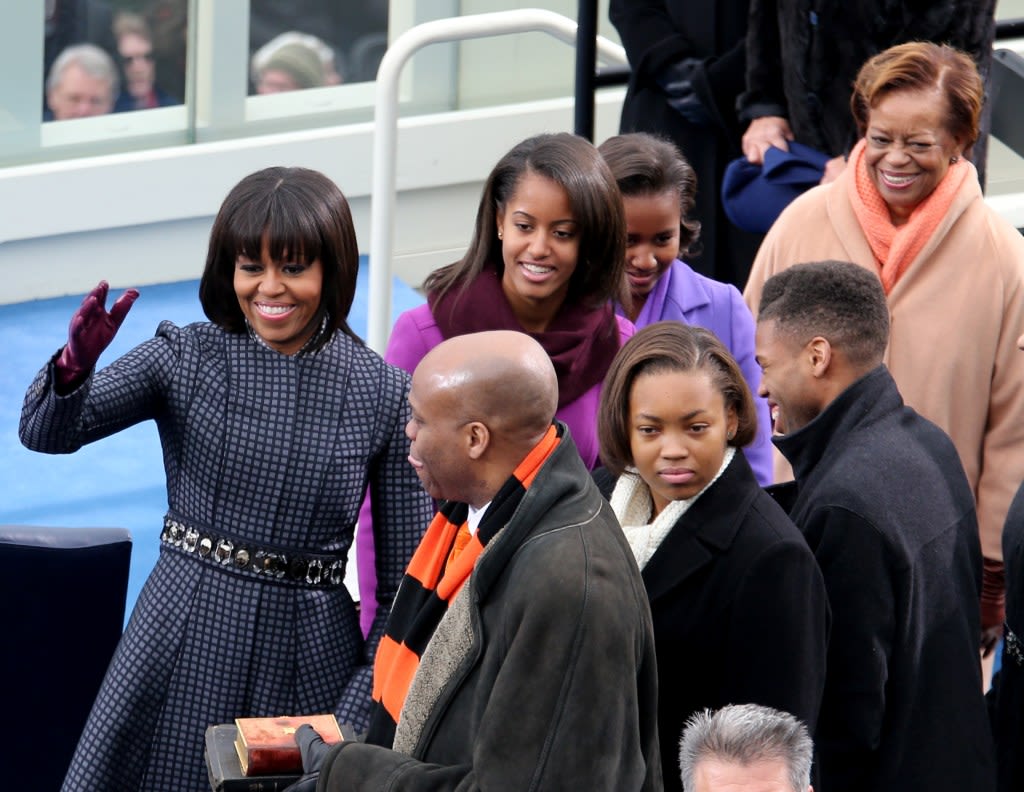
x: 273, y: 418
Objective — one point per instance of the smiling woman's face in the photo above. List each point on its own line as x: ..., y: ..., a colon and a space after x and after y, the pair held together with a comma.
x: 908, y: 148
x: 280, y: 299
x: 540, y: 245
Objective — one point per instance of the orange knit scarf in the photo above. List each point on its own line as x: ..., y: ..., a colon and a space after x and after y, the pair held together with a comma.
x: 895, y: 247
x: 432, y: 580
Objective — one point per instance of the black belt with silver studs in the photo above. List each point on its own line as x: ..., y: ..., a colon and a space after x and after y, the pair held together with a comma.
x: 1014, y: 647
x: 311, y: 569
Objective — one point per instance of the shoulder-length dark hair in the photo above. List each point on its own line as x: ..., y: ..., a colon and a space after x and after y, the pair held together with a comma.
x: 923, y: 66
x: 645, y: 164
x: 302, y: 216
x: 574, y: 165
x: 668, y: 347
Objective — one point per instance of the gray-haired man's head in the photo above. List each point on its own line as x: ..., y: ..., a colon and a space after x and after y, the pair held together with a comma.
x: 745, y: 746
x: 83, y: 81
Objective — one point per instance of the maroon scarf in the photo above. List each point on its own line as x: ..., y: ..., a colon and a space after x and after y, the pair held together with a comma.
x: 580, y: 341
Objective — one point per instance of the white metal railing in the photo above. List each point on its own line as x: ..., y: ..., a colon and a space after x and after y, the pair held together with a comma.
x: 385, y: 142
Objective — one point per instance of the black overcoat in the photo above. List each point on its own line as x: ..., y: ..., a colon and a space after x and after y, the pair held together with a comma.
x: 739, y: 609
x: 1008, y: 687
x: 887, y: 510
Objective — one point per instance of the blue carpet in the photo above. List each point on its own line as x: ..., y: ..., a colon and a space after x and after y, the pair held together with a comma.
x: 118, y: 481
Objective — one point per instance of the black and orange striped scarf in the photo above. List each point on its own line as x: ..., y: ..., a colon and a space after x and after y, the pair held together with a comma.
x: 431, y: 581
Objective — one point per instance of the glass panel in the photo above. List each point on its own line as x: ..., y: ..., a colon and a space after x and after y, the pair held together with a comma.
x: 1005, y: 169
x: 543, y: 66
x: 21, y: 77
x: 1009, y: 9
x: 314, y: 43
x: 184, y: 68
x: 523, y: 67
x: 123, y: 56
x: 97, y: 59
x: 283, y: 75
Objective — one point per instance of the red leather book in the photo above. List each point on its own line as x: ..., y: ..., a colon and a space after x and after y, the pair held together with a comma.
x: 226, y: 772
x: 267, y: 745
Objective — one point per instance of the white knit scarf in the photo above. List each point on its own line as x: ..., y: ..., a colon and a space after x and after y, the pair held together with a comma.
x: 632, y: 504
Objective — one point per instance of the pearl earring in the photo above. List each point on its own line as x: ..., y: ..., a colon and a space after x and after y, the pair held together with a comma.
x: 954, y: 160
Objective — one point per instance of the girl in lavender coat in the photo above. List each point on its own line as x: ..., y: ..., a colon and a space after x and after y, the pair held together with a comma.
x: 658, y: 188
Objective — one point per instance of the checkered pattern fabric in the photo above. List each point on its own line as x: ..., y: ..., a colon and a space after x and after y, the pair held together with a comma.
x: 273, y: 449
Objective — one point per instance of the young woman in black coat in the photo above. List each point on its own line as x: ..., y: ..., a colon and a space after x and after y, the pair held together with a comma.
x: 739, y: 606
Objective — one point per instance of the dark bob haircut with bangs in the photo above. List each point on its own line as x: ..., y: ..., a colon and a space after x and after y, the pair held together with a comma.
x: 665, y: 347
x: 303, y: 217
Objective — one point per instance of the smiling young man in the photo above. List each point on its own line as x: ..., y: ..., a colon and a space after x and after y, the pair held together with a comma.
x: 884, y: 504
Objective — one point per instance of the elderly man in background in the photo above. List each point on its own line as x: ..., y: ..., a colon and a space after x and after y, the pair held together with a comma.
x: 82, y: 82
x: 745, y: 748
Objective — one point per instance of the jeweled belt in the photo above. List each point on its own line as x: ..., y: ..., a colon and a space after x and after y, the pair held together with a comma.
x: 273, y: 564
x: 1014, y: 647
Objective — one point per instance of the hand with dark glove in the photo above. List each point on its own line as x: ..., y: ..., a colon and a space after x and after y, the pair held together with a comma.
x: 313, y: 749
x: 677, y: 81
x: 91, y: 331
x: 993, y: 603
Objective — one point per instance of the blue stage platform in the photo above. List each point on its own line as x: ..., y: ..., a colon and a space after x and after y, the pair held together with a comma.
x: 118, y: 481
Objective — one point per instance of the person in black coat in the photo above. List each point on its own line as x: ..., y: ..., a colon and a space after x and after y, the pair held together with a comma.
x: 739, y: 605
x: 885, y: 505
x: 803, y: 57
x: 688, y: 69
x: 1007, y: 693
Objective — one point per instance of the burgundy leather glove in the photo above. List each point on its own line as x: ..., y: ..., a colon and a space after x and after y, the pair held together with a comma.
x: 993, y: 603
x: 91, y: 331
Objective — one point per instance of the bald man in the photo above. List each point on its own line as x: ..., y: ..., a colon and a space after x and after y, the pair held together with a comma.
x: 519, y: 653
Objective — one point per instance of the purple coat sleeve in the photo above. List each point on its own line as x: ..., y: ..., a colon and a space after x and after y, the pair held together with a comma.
x: 759, y: 453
